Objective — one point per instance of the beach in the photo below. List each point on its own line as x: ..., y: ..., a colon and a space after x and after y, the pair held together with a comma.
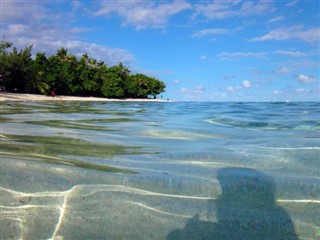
x: 5, y: 96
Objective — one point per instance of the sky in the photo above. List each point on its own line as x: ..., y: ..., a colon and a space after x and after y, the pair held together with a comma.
x: 218, y: 50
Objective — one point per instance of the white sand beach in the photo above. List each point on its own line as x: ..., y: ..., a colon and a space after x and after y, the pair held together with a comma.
x: 5, y: 96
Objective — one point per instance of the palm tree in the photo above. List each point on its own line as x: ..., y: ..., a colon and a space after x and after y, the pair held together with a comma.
x: 36, y: 81
x: 124, y: 71
x: 143, y: 85
x: 62, y: 53
x: 85, y: 58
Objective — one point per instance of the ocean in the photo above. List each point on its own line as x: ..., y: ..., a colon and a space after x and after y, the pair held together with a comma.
x: 160, y: 170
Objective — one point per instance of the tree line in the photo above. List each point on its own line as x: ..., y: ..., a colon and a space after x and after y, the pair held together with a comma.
x: 67, y: 74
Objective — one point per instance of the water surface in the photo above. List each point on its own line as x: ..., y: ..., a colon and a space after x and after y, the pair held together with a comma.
x: 160, y: 170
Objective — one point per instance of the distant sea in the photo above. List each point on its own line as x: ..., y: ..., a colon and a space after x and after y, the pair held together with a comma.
x: 160, y: 170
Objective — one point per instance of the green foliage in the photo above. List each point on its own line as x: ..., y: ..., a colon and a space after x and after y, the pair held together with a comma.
x: 140, y: 86
x: 4, y: 63
x: 37, y: 79
x: 69, y: 75
x: 15, y: 66
x: 113, y: 85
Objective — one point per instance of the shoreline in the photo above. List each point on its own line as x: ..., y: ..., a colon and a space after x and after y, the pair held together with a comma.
x: 23, y: 97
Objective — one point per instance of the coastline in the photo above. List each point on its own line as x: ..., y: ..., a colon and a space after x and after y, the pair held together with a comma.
x: 22, y: 97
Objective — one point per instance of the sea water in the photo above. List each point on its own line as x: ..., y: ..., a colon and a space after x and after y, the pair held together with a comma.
x: 160, y: 170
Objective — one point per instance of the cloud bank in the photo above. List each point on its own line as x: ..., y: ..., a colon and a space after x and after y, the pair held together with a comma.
x: 141, y: 13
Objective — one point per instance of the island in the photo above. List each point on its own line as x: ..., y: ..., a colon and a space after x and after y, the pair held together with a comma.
x: 65, y: 74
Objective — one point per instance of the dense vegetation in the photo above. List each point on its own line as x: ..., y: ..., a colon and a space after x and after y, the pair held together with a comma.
x: 67, y: 74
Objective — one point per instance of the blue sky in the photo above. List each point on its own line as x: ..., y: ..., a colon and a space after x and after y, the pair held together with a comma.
x: 217, y: 50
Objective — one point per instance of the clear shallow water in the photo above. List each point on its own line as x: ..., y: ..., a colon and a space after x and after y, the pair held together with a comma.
x: 166, y: 170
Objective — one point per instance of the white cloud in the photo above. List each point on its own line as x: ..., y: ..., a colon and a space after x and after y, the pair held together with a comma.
x: 199, y: 89
x: 176, y: 82
x: 184, y: 90
x: 210, y: 31
x: 203, y: 58
x: 292, y: 3
x: 296, y: 93
x: 230, y: 88
x: 80, y: 30
x: 246, y: 83
x: 283, y: 70
x: 305, y: 79
x: 25, y: 29
x: 193, y: 93
x: 77, y: 5
x: 306, y: 63
x: 237, y: 55
x: 49, y: 39
x: 236, y: 8
x: 15, y: 29
x: 311, y: 35
x: 110, y: 55
x: 250, y: 8
x: 302, y: 90
x: 107, y: 54
x: 26, y: 11
x: 141, y: 13
x: 290, y: 53
x: 277, y: 92
x: 215, y: 10
x: 277, y: 19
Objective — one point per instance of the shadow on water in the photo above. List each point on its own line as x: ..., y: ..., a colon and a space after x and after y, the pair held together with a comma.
x: 245, y: 210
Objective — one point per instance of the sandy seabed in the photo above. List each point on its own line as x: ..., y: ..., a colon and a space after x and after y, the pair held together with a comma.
x: 5, y: 96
